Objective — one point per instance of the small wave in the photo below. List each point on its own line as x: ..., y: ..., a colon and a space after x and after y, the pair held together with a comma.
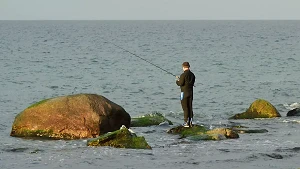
x: 175, y: 114
x: 291, y: 106
x: 291, y: 121
x: 53, y: 87
x: 164, y: 124
x: 224, y: 150
x: 16, y: 150
x: 273, y: 155
x: 158, y: 93
x: 291, y: 59
x: 295, y: 150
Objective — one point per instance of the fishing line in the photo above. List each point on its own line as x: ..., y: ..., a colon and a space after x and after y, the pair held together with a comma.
x: 140, y: 58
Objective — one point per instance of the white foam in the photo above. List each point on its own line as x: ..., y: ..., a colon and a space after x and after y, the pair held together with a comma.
x: 291, y: 121
x: 292, y: 106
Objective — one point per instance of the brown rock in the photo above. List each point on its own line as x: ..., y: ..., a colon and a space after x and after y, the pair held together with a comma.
x: 70, y: 117
x: 228, y: 133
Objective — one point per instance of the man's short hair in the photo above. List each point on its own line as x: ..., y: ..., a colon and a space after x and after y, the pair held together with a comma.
x: 185, y: 64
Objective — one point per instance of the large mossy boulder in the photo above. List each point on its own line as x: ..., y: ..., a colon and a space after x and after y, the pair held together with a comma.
x: 150, y: 119
x: 70, y: 117
x: 258, y: 109
x: 122, y: 138
x: 201, y: 133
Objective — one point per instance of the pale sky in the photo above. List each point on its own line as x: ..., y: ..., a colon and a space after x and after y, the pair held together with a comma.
x: 149, y: 9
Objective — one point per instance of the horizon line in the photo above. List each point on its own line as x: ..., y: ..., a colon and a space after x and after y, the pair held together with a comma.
x: 149, y: 19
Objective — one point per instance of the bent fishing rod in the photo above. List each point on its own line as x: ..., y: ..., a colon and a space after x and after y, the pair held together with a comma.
x: 140, y: 58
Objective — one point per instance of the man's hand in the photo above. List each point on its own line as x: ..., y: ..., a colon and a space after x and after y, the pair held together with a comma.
x: 177, y: 78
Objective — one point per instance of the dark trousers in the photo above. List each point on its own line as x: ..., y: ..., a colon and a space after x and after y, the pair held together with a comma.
x: 187, y: 106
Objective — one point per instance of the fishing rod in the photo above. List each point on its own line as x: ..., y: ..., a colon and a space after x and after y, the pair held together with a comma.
x: 140, y: 58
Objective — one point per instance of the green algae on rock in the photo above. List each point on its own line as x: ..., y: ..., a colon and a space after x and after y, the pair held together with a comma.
x: 187, y: 131
x: 201, y: 133
x: 151, y: 119
x: 43, y: 134
x: 38, y: 103
x: 122, y: 138
x: 258, y: 109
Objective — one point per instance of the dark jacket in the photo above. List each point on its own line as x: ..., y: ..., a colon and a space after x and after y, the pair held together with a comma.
x: 186, y: 83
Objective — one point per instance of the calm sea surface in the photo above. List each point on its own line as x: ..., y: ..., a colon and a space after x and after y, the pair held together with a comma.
x: 235, y: 63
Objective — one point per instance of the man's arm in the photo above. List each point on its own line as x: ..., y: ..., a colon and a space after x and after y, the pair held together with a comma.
x: 180, y: 82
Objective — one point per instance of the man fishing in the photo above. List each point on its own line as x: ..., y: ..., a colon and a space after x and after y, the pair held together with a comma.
x: 186, y: 82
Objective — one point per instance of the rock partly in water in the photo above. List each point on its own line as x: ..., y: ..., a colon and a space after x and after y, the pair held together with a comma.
x: 240, y: 130
x: 215, y: 137
x: 187, y: 131
x: 122, y: 138
x: 151, y: 119
x: 228, y: 133
x: 294, y: 112
x: 243, y: 129
x: 258, y: 109
x: 70, y: 117
x: 201, y: 133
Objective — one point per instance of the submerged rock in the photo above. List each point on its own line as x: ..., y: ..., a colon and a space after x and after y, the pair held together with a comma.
x: 201, y: 133
x: 240, y: 130
x: 243, y: 129
x: 122, y: 138
x: 149, y: 120
x: 70, y: 117
x: 294, y: 112
x: 258, y: 109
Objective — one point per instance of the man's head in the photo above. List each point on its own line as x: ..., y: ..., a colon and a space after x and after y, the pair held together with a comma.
x: 185, y: 66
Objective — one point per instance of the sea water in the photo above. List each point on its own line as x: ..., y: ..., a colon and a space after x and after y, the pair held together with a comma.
x: 235, y: 63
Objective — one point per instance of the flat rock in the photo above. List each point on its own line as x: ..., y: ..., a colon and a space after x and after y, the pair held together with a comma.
x: 201, y: 133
